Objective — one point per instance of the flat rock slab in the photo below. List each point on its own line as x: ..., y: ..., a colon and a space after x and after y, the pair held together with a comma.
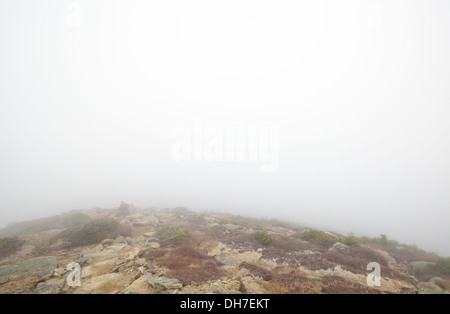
x: 164, y: 283
x: 31, y: 265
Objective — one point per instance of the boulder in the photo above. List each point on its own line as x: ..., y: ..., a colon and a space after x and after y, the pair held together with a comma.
x: 45, y: 274
x: 32, y: 265
x: 428, y: 286
x: 339, y: 247
x: 164, y: 283
x: 120, y: 240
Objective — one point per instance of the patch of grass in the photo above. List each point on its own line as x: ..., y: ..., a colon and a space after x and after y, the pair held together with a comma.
x: 288, y: 244
x: 292, y: 281
x: 188, y: 264
x: 318, y: 237
x: 173, y: 234
x: 263, y: 237
x: 9, y: 245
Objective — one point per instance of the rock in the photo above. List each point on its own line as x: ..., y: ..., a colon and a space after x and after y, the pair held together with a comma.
x: 140, y: 262
x: 164, y: 283
x: 150, y: 266
x: 31, y: 265
x: 339, y: 247
x: 154, y: 245
x: 3, y: 280
x: 139, y: 286
x: 229, y: 292
x: 45, y: 274
x: 134, y: 253
x: 427, y: 291
x: 436, y: 279
x: 149, y: 234
x: 428, y: 286
x: 124, y: 209
x: 138, y: 240
x: 59, y: 272
x: 107, y: 242
x: 142, y: 270
x: 44, y: 288
x: 120, y: 240
x: 88, y: 253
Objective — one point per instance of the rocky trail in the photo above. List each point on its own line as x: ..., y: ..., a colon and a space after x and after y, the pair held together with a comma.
x: 176, y: 251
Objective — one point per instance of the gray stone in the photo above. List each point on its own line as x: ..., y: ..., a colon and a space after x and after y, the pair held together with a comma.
x: 88, y: 253
x: 4, y: 279
x: 339, y: 247
x: 427, y: 291
x: 43, y: 288
x: 31, y: 265
x: 45, y: 274
x: 164, y: 283
x: 120, y: 240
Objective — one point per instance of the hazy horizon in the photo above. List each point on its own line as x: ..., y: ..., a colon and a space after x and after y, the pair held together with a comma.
x: 349, y: 101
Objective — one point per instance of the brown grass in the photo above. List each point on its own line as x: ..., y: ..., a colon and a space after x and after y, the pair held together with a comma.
x: 258, y: 271
x: 339, y: 285
x: 289, y: 244
x: 357, y: 259
x: 188, y: 264
x: 292, y: 281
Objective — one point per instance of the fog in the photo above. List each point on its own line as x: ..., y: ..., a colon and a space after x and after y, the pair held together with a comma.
x: 348, y: 102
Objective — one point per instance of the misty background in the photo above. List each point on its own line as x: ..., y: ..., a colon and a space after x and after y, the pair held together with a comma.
x: 91, y: 90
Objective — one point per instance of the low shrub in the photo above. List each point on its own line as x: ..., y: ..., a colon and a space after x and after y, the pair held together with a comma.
x: 123, y: 230
x: 350, y: 241
x: 188, y: 264
x: 263, y: 237
x: 92, y: 232
x: 318, y: 237
x: 444, y: 265
x: 172, y: 233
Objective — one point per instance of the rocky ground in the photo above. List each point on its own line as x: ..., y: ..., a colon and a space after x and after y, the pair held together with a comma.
x: 176, y: 251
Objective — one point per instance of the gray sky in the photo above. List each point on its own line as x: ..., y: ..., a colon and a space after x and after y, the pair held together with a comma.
x: 91, y: 92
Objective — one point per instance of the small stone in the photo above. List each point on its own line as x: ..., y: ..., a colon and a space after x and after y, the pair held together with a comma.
x: 45, y: 274
x: 154, y: 245
x: 107, y: 242
x: 165, y: 283
x: 120, y: 240
x: 140, y: 262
